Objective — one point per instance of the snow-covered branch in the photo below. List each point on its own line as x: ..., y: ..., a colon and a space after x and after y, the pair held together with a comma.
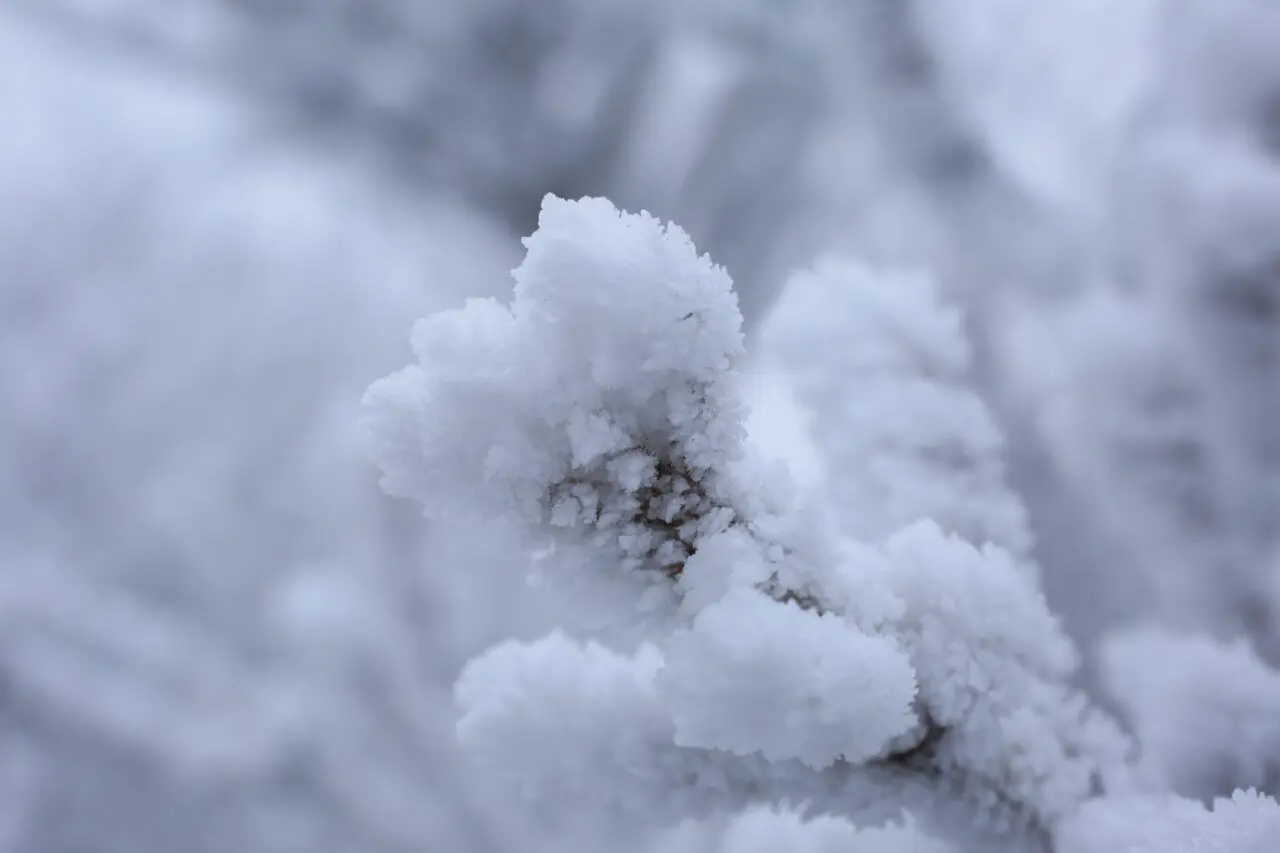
x: 779, y: 660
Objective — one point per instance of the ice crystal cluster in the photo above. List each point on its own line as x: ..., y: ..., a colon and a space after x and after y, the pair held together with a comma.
x: 867, y: 665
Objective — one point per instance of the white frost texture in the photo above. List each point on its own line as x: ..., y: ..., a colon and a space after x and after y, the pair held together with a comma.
x: 767, y: 830
x: 1245, y: 822
x: 881, y: 357
x: 834, y: 652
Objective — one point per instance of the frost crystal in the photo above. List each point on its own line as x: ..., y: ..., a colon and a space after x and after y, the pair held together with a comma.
x: 600, y: 413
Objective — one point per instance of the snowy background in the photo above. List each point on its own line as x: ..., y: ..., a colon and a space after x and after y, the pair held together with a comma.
x: 220, y: 218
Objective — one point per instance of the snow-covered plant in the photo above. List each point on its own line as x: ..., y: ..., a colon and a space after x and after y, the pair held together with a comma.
x: 1157, y: 387
x: 766, y: 830
x: 1245, y: 822
x: 203, y: 590
x: 882, y: 365
x: 768, y: 657
x: 1171, y: 684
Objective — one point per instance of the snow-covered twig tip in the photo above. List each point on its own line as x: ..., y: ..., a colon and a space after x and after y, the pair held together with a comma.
x: 596, y: 400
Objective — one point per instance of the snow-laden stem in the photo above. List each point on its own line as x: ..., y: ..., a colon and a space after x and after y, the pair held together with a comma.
x: 769, y: 656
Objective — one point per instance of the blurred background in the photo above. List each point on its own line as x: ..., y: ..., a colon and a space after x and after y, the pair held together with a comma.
x: 219, y: 219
